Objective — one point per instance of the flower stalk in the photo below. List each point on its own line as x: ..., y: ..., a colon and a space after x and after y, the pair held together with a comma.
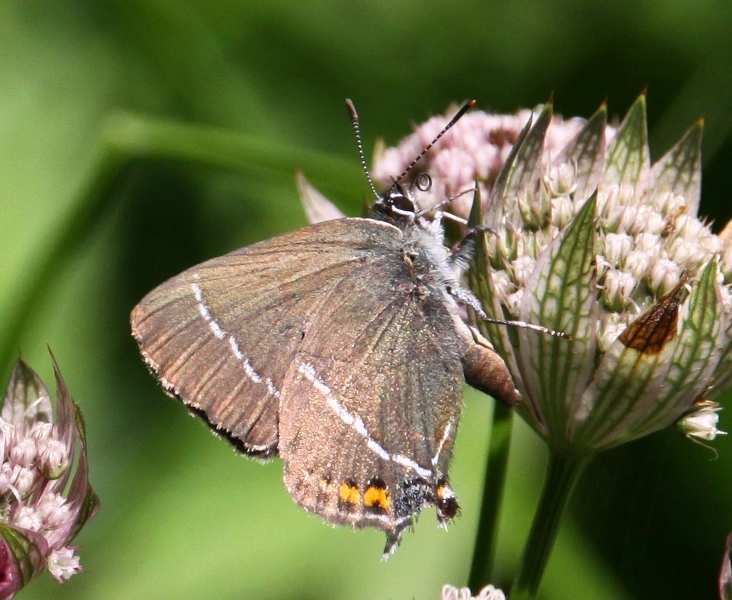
x: 562, y: 476
x: 486, y: 539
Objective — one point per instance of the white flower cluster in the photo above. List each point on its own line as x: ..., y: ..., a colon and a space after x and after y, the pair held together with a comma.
x: 644, y: 292
x: 450, y: 592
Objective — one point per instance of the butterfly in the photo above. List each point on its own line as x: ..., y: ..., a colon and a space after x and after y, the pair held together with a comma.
x: 339, y: 347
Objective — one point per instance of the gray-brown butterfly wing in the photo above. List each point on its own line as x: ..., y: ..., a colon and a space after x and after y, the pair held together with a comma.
x: 330, y: 345
x: 371, y: 400
x: 221, y: 336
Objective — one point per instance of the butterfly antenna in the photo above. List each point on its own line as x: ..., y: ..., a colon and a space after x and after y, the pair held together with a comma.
x: 463, y: 109
x: 359, y: 144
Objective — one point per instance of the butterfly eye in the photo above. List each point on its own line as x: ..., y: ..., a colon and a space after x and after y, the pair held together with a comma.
x: 398, y: 200
x: 402, y: 203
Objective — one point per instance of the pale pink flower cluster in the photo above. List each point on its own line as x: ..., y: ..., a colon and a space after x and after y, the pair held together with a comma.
x: 474, y: 149
x: 45, y: 497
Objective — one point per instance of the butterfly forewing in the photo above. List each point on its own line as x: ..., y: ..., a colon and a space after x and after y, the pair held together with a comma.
x: 221, y: 336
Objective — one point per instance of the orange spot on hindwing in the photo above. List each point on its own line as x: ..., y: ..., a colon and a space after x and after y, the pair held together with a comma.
x: 376, y: 495
x: 447, y: 506
x: 348, y: 493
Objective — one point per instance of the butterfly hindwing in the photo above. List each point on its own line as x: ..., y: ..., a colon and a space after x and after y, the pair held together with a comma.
x: 371, y: 400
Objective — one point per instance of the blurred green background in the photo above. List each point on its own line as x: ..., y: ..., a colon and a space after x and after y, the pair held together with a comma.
x: 182, y: 515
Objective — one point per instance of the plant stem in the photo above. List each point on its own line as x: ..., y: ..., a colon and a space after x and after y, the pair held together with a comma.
x: 562, y: 475
x: 143, y: 136
x: 484, y: 551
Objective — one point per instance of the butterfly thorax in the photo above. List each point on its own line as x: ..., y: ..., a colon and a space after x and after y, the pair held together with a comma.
x: 431, y: 265
x: 425, y: 236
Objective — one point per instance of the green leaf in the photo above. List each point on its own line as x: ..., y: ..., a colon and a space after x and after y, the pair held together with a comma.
x: 82, y: 497
x: 494, y: 215
x: 65, y: 407
x: 722, y: 376
x: 27, y: 399
x: 529, y: 153
x: 87, y: 509
x: 481, y: 283
x: 28, y: 551
x: 518, y: 172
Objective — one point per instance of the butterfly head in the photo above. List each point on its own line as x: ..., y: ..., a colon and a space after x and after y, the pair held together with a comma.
x: 398, y: 204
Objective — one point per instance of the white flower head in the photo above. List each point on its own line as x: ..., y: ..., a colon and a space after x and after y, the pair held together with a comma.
x: 63, y: 563
x: 450, y: 592
x: 701, y: 422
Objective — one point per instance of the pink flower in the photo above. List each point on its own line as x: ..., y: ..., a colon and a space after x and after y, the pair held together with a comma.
x: 45, y: 496
x: 474, y: 149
